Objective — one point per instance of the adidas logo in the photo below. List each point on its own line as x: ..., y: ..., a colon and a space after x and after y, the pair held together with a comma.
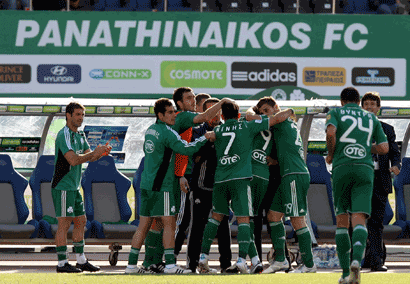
x: 357, y: 243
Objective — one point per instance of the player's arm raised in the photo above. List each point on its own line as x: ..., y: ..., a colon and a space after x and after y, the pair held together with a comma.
x: 281, y: 116
x: 210, y: 112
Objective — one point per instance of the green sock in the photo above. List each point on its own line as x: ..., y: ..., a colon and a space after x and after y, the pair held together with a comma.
x: 343, y: 247
x: 159, y: 253
x: 209, y: 235
x: 133, y: 256
x: 278, y: 236
x: 79, y: 247
x: 359, y: 238
x: 169, y: 256
x: 61, y: 253
x: 252, y: 247
x: 153, y: 243
x: 244, y: 237
x: 305, y: 246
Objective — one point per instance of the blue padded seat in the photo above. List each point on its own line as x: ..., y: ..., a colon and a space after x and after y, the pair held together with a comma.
x: 136, y: 182
x: 40, y: 184
x: 320, y: 200
x: 105, y: 200
x: 402, y: 188
x: 13, y: 207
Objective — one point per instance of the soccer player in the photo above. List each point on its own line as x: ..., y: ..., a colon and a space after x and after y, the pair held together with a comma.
x: 290, y: 198
x: 350, y: 132
x: 185, y: 101
x: 158, y: 198
x: 202, y: 185
x: 232, y: 178
x: 71, y: 151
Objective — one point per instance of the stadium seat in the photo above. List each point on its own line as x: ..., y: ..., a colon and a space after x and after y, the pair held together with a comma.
x: 43, y: 206
x: 235, y: 6
x: 105, y: 200
x: 290, y: 6
x: 13, y: 207
x: 137, y: 189
x: 320, y: 198
x: 402, y: 189
x: 211, y: 6
x: 266, y: 6
x: 323, y: 6
x: 144, y: 5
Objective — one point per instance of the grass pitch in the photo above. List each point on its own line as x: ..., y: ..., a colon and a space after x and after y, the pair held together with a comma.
x: 278, y: 278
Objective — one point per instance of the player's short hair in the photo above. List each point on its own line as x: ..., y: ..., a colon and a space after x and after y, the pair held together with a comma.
x: 265, y: 100
x: 209, y: 101
x: 230, y: 110
x: 350, y: 94
x: 161, y: 105
x: 372, y: 96
x: 201, y: 97
x: 179, y: 94
x: 71, y: 107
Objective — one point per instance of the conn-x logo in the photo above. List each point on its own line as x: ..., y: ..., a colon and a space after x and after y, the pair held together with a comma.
x: 120, y: 74
x: 59, y: 74
x: 196, y: 74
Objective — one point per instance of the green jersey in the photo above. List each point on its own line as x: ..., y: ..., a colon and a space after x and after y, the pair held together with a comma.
x: 289, y: 148
x: 356, y: 129
x: 67, y: 177
x: 262, y: 145
x: 160, y: 142
x: 233, y: 145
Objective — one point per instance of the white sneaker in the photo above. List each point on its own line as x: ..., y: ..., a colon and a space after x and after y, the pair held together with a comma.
x: 203, y: 266
x: 304, y: 269
x: 176, y: 269
x: 277, y: 266
x: 354, y: 277
x: 241, y: 265
x: 344, y: 280
x: 137, y: 269
x: 256, y: 269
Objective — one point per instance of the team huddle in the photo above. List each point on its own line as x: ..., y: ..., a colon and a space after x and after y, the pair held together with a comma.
x: 195, y: 162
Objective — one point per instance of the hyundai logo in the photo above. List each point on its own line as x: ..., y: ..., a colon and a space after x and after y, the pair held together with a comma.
x: 58, y: 70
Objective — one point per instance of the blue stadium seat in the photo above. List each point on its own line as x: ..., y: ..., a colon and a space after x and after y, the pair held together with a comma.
x: 137, y: 189
x: 357, y: 7
x: 43, y: 206
x: 266, y: 6
x: 13, y: 207
x: 402, y: 189
x: 105, y: 200
x: 143, y: 5
x: 320, y: 198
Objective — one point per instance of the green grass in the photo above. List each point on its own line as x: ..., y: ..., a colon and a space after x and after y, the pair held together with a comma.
x: 279, y: 278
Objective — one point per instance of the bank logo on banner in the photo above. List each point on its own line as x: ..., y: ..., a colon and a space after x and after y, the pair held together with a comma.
x: 196, y: 74
x: 324, y: 76
x: 59, y: 74
x: 117, y: 74
x: 261, y: 75
x: 15, y: 73
x: 373, y: 76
